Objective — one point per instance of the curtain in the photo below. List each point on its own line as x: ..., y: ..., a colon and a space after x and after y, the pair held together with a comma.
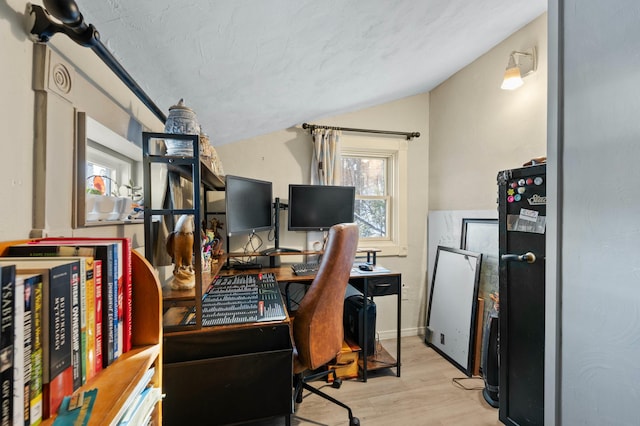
x: 325, y: 158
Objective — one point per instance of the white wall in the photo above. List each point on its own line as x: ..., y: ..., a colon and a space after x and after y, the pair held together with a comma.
x: 597, y: 147
x: 478, y: 129
x: 16, y: 122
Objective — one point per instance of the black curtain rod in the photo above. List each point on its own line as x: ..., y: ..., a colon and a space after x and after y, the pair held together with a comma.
x: 73, y: 25
x: 408, y: 135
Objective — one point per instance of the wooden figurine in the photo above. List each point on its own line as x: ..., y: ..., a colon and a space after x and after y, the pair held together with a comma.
x: 180, y: 248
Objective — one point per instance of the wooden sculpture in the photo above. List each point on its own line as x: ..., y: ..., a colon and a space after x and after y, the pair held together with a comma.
x: 180, y: 248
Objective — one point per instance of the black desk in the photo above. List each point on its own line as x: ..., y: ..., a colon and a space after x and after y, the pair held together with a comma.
x: 228, y: 374
x: 371, y: 284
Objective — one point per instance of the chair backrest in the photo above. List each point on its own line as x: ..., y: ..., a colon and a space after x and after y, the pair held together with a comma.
x: 318, y: 325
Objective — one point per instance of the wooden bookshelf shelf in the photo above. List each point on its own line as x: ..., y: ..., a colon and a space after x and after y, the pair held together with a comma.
x: 116, y: 383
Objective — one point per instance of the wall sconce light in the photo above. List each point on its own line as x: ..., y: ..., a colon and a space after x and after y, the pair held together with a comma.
x: 520, y: 65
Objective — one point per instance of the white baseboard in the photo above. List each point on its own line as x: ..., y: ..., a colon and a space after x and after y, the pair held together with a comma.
x: 405, y: 332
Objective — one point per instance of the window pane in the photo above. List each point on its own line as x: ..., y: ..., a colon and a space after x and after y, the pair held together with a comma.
x: 106, y: 186
x: 367, y: 174
x: 371, y: 216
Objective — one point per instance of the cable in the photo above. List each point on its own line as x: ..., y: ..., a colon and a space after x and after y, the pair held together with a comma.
x: 458, y: 382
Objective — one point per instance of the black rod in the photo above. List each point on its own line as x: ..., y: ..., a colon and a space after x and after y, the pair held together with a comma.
x: 408, y: 135
x: 73, y: 25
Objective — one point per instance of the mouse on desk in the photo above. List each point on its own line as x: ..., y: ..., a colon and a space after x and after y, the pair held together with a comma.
x: 366, y: 267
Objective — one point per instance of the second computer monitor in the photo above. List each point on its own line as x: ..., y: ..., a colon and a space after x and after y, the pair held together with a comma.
x: 319, y: 207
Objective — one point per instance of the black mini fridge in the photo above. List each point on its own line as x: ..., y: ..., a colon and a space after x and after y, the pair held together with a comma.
x: 522, y: 224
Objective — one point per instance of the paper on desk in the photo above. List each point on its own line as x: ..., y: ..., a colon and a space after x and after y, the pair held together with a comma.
x: 377, y: 269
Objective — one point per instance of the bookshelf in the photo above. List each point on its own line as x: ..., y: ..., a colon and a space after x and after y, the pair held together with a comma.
x: 116, y: 382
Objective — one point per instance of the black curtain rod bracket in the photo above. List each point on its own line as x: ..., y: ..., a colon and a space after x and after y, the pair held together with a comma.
x: 408, y: 135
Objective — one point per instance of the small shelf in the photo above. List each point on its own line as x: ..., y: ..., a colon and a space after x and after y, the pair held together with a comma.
x: 381, y: 359
x: 210, y: 180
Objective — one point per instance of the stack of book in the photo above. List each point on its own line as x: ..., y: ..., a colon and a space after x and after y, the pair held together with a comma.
x: 66, y: 315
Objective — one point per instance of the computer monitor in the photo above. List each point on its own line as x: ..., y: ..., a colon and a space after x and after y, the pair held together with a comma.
x: 248, y: 205
x: 319, y: 207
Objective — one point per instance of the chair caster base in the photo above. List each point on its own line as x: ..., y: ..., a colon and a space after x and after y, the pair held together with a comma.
x: 354, y: 421
x: 337, y: 383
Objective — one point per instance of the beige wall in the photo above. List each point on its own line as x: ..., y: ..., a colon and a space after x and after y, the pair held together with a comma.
x: 41, y: 195
x: 478, y: 129
x: 283, y: 157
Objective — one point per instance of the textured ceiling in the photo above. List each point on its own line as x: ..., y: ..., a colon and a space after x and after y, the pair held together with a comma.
x: 250, y: 67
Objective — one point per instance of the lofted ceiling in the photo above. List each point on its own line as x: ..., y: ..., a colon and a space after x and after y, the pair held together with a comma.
x: 251, y: 67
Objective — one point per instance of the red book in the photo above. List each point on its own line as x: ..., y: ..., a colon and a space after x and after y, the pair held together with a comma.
x: 97, y: 281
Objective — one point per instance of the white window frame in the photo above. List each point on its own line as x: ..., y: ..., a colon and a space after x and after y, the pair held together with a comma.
x: 396, y: 153
x: 111, y: 150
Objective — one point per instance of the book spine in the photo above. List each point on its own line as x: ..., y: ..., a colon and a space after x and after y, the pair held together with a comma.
x: 76, y: 353
x: 28, y: 345
x: 90, y: 320
x: 35, y: 391
x: 7, y: 283
x: 84, y: 264
x: 97, y: 280
x: 109, y: 332
x: 128, y: 293
x: 117, y: 301
x: 60, y: 377
x: 18, y: 351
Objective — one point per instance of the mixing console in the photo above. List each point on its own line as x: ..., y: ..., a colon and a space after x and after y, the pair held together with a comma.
x: 237, y: 299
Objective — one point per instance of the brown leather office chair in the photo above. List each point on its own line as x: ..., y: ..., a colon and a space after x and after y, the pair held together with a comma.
x: 318, y: 323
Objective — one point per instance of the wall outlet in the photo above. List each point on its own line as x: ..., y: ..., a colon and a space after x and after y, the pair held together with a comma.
x: 405, y: 292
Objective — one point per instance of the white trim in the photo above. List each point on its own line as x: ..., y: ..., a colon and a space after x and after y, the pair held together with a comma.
x: 396, y: 151
x: 107, y: 137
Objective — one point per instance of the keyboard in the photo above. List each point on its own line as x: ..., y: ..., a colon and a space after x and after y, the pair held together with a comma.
x: 305, y: 268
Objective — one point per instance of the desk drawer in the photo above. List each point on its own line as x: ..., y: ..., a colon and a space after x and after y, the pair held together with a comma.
x: 381, y: 286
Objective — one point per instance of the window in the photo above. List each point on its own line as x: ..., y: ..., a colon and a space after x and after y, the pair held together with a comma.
x: 377, y: 169
x: 113, y: 170
x: 106, y: 164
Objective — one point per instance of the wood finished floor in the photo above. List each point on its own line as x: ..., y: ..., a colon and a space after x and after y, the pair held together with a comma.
x: 424, y: 395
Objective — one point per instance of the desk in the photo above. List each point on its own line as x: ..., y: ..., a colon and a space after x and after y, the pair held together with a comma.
x: 228, y: 374
x: 371, y: 284
x: 242, y: 372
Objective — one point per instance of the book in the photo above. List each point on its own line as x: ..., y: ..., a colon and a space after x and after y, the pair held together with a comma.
x: 129, y: 405
x: 22, y: 352
x: 101, y: 250
x: 143, y: 407
x: 7, y: 286
x: 80, y: 413
x: 127, y: 284
x: 80, y: 274
x: 89, y: 315
x: 57, y: 371
x: 97, y: 280
x: 77, y: 270
x: 35, y: 389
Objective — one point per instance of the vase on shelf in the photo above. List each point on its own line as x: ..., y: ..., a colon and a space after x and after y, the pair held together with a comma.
x: 181, y: 120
